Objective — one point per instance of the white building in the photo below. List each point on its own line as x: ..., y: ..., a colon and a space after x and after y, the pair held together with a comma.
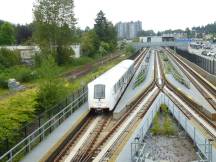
x: 156, y: 39
x: 76, y: 48
x: 128, y: 30
x: 28, y: 52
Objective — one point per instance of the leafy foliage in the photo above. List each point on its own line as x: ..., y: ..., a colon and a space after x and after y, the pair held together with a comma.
x: 51, y: 90
x: 105, y: 30
x: 54, y: 26
x: 7, y: 34
x: 166, y: 126
x: 89, y: 43
x: 21, y: 73
x: 9, y: 58
x: 23, y: 33
x: 129, y: 49
x: 101, y: 40
x: 156, y: 126
x: 16, y: 111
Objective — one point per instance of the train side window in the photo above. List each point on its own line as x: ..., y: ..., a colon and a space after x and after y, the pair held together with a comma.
x: 99, y: 91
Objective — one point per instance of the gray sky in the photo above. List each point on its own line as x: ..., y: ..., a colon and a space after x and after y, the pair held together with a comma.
x: 155, y: 14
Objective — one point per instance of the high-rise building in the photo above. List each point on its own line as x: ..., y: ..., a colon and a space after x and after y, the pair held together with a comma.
x: 128, y: 30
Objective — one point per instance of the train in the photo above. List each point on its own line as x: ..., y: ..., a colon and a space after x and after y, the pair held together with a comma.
x: 105, y: 91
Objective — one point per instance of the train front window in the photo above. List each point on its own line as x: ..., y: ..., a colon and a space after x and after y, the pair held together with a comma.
x: 99, y: 91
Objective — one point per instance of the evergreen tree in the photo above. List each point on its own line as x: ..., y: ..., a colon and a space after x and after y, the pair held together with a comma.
x: 105, y: 31
x: 101, y: 26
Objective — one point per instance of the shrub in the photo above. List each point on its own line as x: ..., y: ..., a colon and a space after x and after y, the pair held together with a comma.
x: 9, y: 58
x: 49, y: 94
x: 20, y: 73
x: 3, y: 81
x: 164, y: 108
x: 167, y: 126
x: 25, y: 74
x: 51, y: 90
x: 129, y: 49
x: 80, y: 61
x: 63, y: 55
x: 156, y: 126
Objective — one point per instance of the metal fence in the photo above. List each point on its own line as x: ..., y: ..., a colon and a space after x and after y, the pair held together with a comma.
x: 33, y: 133
x: 207, y: 64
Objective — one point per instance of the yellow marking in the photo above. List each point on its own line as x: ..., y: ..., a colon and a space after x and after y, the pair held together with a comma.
x: 189, y: 97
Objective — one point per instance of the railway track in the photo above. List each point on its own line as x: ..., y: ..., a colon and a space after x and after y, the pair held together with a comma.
x: 210, y: 98
x: 207, y: 85
x: 106, y: 134
x: 102, y: 127
x: 196, y: 107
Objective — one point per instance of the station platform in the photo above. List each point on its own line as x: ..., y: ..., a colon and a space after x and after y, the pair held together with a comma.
x: 53, y: 141
x: 132, y: 93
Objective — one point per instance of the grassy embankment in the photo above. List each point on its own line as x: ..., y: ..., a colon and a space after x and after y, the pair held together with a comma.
x: 170, y: 69
x: 19, y: 108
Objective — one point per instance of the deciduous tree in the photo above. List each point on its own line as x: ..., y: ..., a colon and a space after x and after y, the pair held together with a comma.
x: 54, y: 25
x: 7, y: 34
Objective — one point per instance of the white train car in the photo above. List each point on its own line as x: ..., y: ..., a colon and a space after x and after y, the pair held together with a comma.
x: 105, y: 91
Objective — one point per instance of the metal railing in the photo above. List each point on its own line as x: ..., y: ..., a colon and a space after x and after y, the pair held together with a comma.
x: 39, y: 134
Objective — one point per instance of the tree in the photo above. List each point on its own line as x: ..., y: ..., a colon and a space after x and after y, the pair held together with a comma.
x: 23, y: 33
x: 54, y: 25
x: 51, y: 90
x: 101, y: 26
x: 105, y: 31
x: 188, y: 31
x: 89, y: 43
x: 7, y: 34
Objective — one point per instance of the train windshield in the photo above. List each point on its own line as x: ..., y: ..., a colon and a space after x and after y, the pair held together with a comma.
x: 99, y: 91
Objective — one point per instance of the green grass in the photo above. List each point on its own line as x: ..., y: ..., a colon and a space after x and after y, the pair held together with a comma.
x: 170, y: 69
x: 162, y: 123
x: 141, y: 77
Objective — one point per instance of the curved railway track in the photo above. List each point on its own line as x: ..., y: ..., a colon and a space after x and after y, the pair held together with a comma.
x: 196, y: 107
x: 211, y: 88
x: 210, y: 98
x: 101, y: 132
x: 103, y: 139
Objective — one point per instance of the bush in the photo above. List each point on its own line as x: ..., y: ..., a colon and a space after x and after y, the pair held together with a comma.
x: 3, y: 81
x: 156, y: 126
x: 164, y: 108
x: 20, y: 73
x: 129, y: 49
x: 51, y: 90
x: 9, y: 58
x: 81, y: 61
x: 49, y: 94
x: 167, y: 127
x: 23, y: 74
x: 63, y: 55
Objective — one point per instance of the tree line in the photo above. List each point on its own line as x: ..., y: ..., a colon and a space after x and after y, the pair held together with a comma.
x: 194, y: 31
x: 11, y: 34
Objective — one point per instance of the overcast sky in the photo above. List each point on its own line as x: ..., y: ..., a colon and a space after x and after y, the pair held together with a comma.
x: 155, y: 14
